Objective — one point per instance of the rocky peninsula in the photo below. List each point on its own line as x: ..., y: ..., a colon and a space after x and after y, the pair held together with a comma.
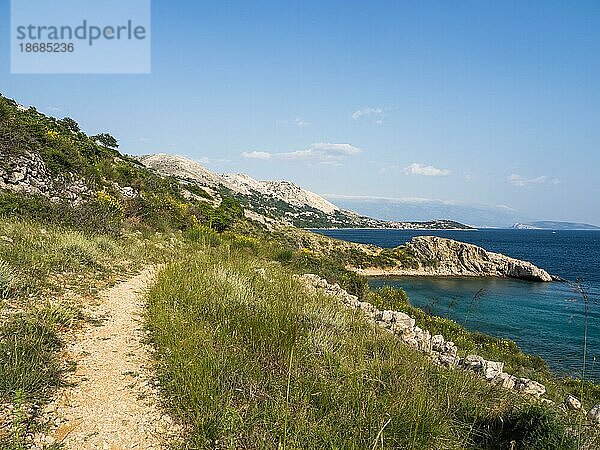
x: 437, y: 256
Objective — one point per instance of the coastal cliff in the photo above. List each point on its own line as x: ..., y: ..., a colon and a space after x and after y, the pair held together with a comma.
x: 445, y: 257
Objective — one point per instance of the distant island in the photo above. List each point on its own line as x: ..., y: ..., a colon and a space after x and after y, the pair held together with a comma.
x: 554, y: 225
x: 413, y: 225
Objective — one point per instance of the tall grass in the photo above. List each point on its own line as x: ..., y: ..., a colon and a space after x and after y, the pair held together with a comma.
x: 586, y: 312
x: 249, y: 359
x: 38, y: 264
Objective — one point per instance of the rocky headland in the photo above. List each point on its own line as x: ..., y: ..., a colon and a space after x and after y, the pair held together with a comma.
x: 445, y: 257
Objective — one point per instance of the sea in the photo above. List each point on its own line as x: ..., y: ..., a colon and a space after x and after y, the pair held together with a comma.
x: 544, y: 319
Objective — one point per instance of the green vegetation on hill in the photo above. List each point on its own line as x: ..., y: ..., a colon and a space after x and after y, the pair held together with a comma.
x: 249, y: 359
x: 157, y: 203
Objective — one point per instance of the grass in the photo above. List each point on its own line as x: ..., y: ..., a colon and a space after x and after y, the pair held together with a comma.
x: 496, y: 349
x: 251, y: 360
x: 47, y: 273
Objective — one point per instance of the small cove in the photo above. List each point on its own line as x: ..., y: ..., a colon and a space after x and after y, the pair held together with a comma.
x: 545, y: 319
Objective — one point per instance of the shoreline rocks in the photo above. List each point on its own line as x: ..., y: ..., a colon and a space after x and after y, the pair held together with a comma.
x: 441, y: 351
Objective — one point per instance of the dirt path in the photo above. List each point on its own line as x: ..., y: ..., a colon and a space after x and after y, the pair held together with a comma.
x: 112, y: 404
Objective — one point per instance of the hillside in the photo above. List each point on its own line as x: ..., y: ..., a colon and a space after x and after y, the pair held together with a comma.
x: 282, y: 200
x: 234, y: 348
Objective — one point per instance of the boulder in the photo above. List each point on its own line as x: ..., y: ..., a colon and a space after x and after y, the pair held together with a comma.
x: 403, y: 320
x: 450, y: 348
x: 368, y: 308
x: 594, y: 415
x: 474, y: 363
x: 437, y: 343
x: 492, y: 369
x: 504, y: 380
x: 449, y: 360
x: 385, y: 316
x: 572, y: 402
x: 527, y: 386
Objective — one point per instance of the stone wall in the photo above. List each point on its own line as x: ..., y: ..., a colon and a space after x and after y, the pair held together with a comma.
x: 442, y: 351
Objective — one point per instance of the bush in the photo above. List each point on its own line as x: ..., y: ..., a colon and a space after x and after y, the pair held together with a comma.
x: 94, y: 216
x: 283, y: 255
x: 239, y: 241
x: 203, y: 235
x: 223, y: 217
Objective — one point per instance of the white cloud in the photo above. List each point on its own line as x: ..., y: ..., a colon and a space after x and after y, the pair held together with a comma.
x: 426, y: 171
x: 320, y: 152
x: 521, y: 181
x: 257, y: 155
x: 367, y: 112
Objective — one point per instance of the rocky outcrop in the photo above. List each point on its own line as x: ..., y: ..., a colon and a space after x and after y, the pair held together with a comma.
x: 446, y: 257
x: 26, y: 173
x: 241, y: 184
x: 440, y: 350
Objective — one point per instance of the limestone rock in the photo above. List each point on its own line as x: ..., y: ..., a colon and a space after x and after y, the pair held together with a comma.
x: 504, y: 380
x: 528, y: 386
x: 474, y: 363
x: 449, y: 360
x: 492, y: 369
x: 437, y: 343
x: 572, y: 402
x: 453, y: 258
x: 594, y: 414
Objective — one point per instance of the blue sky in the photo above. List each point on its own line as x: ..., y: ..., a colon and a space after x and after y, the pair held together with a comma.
x: 493, y: 103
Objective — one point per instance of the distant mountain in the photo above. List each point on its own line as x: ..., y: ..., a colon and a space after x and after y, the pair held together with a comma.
x: 280, y: 200
x: 553, y: 225
x: 402, y: 209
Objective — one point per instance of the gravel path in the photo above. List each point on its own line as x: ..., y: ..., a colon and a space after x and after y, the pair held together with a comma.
x: 112, y: 404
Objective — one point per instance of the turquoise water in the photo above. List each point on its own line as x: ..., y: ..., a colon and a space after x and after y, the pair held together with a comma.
x: 545, y: 319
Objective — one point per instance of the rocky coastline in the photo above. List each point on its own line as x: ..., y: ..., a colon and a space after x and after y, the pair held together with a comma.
x: 441, y: 257
x: 442, y: 351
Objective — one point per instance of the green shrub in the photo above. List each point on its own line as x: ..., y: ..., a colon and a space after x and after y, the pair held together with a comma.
x: 284, y: 255
x: 93, y: 216
x: 225, y: 215
x: 203, y: 235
